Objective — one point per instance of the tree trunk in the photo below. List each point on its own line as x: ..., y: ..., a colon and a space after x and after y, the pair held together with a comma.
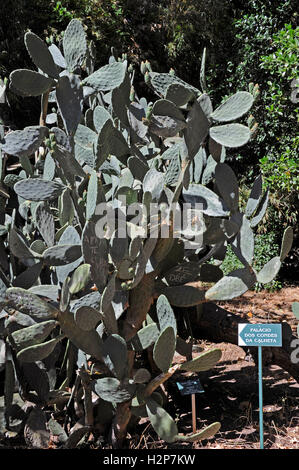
x: 218, y: 325
x: 123, y: 412
x: 140, y: 301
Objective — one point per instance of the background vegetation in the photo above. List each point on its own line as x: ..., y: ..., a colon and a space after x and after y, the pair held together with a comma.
x: 247, y: 42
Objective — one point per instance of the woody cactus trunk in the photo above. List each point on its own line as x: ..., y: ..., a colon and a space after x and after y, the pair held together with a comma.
x: 89, y: 274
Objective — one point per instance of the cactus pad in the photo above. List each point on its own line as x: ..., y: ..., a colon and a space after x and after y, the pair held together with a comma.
x: 205, y: 433
x: 32, y: 334
x: 161, y: 421
x: 231, y: 135
x: 164, y: 349
x: 203, y: 362
x: 269, y: 271
x: 38, y: 352
x: 36, y: 189
x: 24, y: 143
x: 112, y: 390
x: 74, y: 45
x: 107, y: 77
x: 40, y: 54
x: 30, y: 83
x: 29, y: 303
x: 233, y: 285
x: 233, y: 108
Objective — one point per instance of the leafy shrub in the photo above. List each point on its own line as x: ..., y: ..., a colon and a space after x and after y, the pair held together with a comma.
x: 267, y: 46
x: 61, y: 11
x: 280, y: 166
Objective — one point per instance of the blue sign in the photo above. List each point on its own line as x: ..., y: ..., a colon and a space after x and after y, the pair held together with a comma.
x: 188, y: 387
x: 259, y: 334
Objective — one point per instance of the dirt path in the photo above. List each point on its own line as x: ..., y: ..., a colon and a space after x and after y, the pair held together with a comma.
x: 260, y: 307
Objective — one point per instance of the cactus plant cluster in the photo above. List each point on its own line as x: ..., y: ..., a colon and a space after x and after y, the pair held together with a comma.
x: 77, y: 308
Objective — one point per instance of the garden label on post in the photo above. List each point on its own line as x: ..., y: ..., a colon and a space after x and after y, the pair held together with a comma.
x: 188, y: 387
x: 265, y: 334
x: 260, y: 334
x: 191, y: 387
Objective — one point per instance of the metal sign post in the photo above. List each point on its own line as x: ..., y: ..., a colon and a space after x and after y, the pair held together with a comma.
x: 261, y: 334
x: 193, y: 404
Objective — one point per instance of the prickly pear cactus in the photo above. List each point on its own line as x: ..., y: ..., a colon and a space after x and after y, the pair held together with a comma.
x: 94, y: 241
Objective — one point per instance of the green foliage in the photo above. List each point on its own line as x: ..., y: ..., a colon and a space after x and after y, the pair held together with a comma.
x: 280, y: 166
x: 230, y: 262
x: 62, y: 12
x: 281, y: 175
x: 265, y: 249
x: 283, y: 61
x: 267, y: 41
